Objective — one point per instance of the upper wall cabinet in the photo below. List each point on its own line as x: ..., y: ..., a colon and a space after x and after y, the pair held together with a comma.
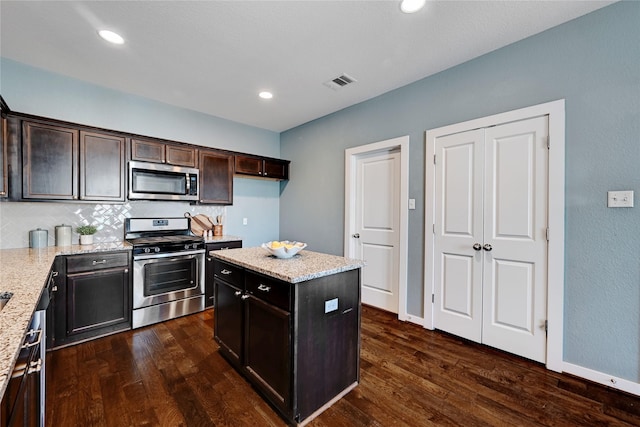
x: 4, y: 191
x: 262, y: 167
x: 64, y: 163
x: 216, y: 177
x: 147, y: 150
x: 49, y: 162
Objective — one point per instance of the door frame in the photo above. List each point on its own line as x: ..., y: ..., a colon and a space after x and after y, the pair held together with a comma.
x: 555, y: 250
x: 351, y: 156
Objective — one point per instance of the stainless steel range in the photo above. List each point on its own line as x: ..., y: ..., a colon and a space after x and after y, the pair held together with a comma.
x: 168, y: 269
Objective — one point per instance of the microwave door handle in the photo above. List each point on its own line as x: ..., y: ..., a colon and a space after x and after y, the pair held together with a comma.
x: 188, y: 185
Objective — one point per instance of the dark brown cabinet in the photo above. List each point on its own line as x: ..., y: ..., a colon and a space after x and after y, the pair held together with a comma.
x: 64, y: 163
x: 4, y: 127
x: 102, y: 167
x: 262, y: 167
x: 297, y: 343
x: 209, y: 270
x: 159, y: 152
x: 93, y: 297
x: 216, y: 177
x: 49, y: 161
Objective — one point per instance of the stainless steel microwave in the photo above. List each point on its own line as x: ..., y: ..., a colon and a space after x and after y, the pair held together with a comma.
x: 154, y: 181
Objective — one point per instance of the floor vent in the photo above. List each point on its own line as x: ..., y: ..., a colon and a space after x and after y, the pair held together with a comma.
x: 340, y: 82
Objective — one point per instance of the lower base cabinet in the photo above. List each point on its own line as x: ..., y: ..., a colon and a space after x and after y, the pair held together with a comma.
x: 287, y: 339
x: 92, y: 297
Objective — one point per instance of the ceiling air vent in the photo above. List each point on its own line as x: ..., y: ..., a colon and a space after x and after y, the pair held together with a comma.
x: 340, y: 82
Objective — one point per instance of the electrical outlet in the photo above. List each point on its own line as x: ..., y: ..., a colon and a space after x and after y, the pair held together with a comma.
x: 331, y: 305
x: 620, y: 199
x: 244, y: 221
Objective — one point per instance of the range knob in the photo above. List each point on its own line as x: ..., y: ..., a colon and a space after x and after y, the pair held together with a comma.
x: 147, y: 250
x: 156, y: 249
x: 186, y: 246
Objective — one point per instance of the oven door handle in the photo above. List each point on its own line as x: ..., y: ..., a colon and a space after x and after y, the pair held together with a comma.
x: 168, y: 255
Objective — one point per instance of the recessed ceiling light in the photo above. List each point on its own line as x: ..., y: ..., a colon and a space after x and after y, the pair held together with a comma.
x: 265, y: 95
x: 111, y: 37
x: 410, y: 6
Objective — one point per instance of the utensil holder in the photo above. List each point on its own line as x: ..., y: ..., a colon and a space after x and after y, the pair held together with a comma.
x: 217, y: 230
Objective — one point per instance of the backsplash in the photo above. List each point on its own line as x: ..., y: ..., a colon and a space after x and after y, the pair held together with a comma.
x: 18, y: 218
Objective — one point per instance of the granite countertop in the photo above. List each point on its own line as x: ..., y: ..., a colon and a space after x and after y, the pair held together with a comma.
x: 24, y: 272
x: 304, y: 266
x: 221, y: 239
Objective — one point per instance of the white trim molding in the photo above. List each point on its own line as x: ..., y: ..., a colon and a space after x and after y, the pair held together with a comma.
x: 351, y: 155
x: 555, y: 276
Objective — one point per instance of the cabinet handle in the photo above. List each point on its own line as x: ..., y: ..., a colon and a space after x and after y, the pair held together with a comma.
x: 35, y: 367
x: 104, y: 261
x: 36, y: 342
x: 245, y: 296
x: 126, y: 270
x: 264, y: 288
x: 238, y: 293
x: 208, y: 259
x: 225, y: 271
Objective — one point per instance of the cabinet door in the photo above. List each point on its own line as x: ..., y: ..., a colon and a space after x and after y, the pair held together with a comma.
x: 276, y: 169
x: 50, y: 162
x: 228, y: 320
x: 216, y: 177
x: 97, y: 302
x: 248, y: 165
x: 147, y: 151
x: 181, y: 156
x: 102, y: 167
x: 267, y: 349
x: 3, y: 156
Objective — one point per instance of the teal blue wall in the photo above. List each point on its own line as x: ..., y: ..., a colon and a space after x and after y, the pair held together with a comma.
x: 35, y: 91
x: 594, y: 64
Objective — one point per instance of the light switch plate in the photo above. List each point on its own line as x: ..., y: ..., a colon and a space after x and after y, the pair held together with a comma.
x: 620, y: 199
x: 412, y: 203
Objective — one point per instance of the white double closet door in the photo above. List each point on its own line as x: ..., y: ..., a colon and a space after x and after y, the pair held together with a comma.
x: 491, y: 196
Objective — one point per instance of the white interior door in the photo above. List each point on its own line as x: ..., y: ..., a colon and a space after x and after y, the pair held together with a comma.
x: 458, y: 226
x: 490, y: 270
x: 377, y: 227
x: 515, y: 213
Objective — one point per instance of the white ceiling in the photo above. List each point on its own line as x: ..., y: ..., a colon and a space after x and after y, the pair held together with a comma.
x: 215, y: 56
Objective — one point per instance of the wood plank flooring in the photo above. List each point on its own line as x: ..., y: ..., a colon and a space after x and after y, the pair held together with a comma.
x: 170, y: 374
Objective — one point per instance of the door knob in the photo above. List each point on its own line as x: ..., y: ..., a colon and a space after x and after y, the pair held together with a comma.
x: 487, y: 247
x: 477, y: 246
x: 356, y: 236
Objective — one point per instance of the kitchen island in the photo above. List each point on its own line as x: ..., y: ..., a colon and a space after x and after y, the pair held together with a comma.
x: 290, y: 326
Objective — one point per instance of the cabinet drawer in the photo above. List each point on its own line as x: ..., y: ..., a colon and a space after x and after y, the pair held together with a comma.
x: 273, y: 291
x: 229, y: 273
x: 97, y: 261
x: 224, y: 245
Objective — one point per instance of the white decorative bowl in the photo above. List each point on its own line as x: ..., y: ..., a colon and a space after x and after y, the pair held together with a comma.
x: 284, y: 251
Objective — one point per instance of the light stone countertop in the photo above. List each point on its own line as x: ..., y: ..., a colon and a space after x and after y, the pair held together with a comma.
x: 222, y: 239
x: 306, y: 265
x: 24, y: 272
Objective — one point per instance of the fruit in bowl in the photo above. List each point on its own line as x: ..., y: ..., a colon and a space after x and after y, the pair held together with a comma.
x: 284, y: 248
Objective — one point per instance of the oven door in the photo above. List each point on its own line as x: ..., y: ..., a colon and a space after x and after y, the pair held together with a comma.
x: 169, y: 277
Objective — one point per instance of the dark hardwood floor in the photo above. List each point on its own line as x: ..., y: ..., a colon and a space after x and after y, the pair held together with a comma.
x: 171, y: 374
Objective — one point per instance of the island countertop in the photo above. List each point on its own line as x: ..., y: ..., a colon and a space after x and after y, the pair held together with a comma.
x: 304, y: 266
x: 24, y: 273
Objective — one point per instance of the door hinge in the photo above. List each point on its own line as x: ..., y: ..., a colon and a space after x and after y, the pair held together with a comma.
x: 547, y: 234
x: 433, y: 229
x: 548, y: 142
x: 434, y: 159
x: 433, y: 298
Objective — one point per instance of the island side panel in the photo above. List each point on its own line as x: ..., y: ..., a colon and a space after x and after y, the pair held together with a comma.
x: 328, y: 339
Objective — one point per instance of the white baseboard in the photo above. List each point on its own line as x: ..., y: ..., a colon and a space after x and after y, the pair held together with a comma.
x: 602, y: 378
x: 412, y: 319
